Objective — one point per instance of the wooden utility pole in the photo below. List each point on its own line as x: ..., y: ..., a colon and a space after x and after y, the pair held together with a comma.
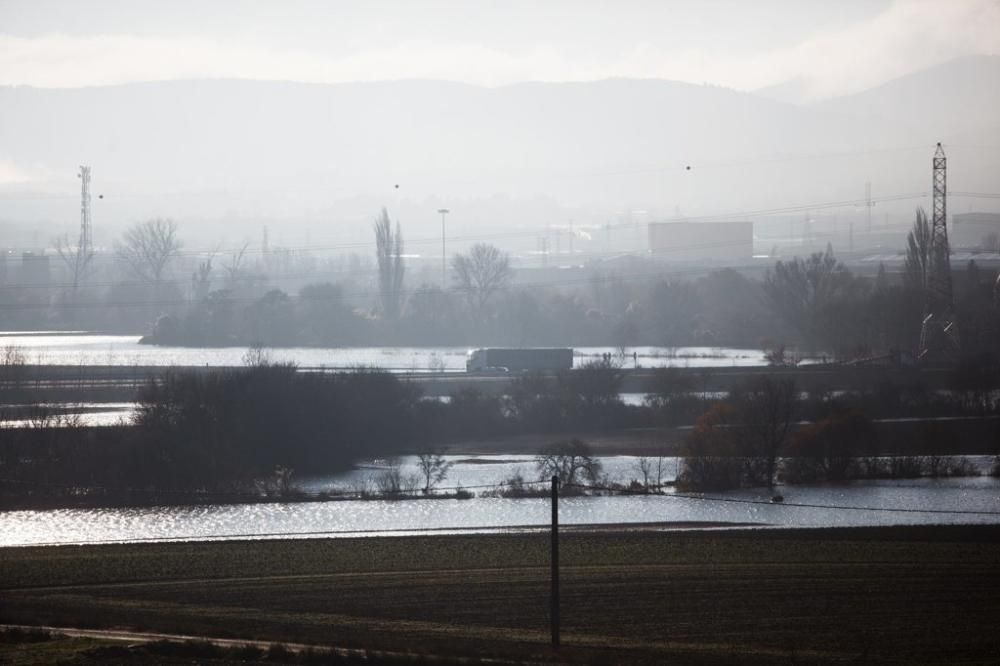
x: 554, y: 602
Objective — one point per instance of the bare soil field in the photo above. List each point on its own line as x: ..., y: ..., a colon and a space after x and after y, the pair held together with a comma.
x: 892, y: 595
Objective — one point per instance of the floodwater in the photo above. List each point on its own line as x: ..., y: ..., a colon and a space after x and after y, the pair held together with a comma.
x: 921, y: 501
x: 47, y: 348
x: 912, y: 501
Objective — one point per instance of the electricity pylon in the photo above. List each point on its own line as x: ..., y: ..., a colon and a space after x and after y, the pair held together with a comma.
x: 939, y: 336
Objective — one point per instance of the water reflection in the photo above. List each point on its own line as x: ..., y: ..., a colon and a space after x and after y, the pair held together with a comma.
x: 90, y: 349
x: 350, y: 518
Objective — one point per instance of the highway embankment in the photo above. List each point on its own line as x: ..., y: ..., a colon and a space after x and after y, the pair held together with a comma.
x: 120, y: 383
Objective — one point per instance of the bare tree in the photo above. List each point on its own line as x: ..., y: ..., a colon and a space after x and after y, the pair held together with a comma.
x: 651, y: 470
x: 147, y: 248
x: 918, y: 253
x: 389, y: 253
x: 800, y: 289
x: 256, y: 356
x: 279, y: 484
x: 644, y: 465
x: 391, y: 483
x: 201, y: 280
x: 660, y: 470
x: 433, y: 468
x: 767, y: 407
x: 234, y: 269
x: 482, y: 272
x: 12, y: 368
x: 568, y: 461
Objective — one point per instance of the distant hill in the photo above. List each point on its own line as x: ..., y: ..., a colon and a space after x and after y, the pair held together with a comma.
x: 961, y: 96
x: 213, y: 148
x: 369, y: 133
x: 793, y: 91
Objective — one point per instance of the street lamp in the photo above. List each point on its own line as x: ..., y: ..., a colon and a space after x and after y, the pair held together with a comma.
x: 444, y: 259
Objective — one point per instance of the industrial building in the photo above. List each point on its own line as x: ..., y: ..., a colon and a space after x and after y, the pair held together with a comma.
x: 979, y: 231
x: 686, y: 241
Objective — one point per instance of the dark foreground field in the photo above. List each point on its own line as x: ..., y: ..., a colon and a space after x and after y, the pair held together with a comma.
x: 903, y: 595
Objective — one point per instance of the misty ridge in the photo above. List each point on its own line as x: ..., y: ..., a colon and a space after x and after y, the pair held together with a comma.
x: 322, y: 157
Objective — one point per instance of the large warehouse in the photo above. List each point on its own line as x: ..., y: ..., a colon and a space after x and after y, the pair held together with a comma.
x: 684, y: 241
x: 980, y: 231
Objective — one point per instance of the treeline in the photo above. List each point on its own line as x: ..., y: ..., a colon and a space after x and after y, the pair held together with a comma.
x: 812, y: 304
x: 767, y: 432
x: 229, y: 430
x: 232, y: 430
x: 721, y: 309
x: 222, y: 431
x: 828, y: 307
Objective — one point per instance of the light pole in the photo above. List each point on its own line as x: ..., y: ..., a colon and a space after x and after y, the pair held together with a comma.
x: 444, y: 257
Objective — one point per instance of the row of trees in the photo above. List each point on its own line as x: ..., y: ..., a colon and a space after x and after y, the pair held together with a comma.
x: 819, y: 303
x: 830, y: 308
x: 812, y: 303
x: 768, y: 430
x: 478, y: 275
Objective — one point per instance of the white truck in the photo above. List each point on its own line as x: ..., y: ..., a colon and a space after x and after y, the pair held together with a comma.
x: 495, y: 359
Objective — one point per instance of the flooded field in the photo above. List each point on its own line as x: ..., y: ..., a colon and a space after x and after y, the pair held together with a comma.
x: 914, y: 501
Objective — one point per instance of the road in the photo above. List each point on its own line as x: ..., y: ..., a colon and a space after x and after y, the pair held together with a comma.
x: 55, y: 383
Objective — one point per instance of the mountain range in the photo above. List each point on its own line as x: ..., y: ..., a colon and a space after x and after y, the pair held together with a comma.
x: 237, y: 148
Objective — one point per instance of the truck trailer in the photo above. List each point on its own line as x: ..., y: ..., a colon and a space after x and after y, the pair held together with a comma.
x: 519, y: 360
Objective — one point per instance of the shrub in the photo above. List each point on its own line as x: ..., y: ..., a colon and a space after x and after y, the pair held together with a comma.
x: 825, y: 450
x: 515, y: 487
x: 709, y: 459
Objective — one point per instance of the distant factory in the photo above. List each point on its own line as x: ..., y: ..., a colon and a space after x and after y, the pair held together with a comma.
x: 690, y: 241
x: 975, y: 231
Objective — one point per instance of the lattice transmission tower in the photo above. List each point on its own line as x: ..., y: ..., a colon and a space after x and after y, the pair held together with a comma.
x: 85, y: 244
x: 939, y: 332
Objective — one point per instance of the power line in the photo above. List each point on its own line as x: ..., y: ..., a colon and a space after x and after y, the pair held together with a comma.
x: 434, y: 240
x: 251, y: 278
x: 736, y: 500
x: 318, y: 533
x: 651, y: 491
x: 636, y: 278
x: 975, y: 195
x: 257, y: 498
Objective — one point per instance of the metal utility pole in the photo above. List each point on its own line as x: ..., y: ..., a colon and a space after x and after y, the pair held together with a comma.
x: 554, y: 601
x: 868, y: 204
x: 939, y: 331
x: 444, y: 257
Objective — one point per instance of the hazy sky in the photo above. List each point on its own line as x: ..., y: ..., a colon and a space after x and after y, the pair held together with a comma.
x: 832, y: 46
